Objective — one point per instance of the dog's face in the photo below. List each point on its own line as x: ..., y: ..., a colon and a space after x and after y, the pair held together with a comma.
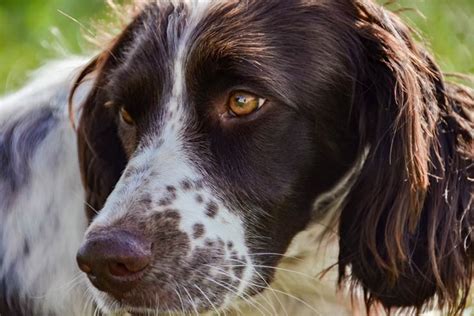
x: 222, y: 117
x: 213, y: 127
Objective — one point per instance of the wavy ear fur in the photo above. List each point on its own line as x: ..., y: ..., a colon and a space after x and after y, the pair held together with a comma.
x: 102, y: 157
x: 405, y: 228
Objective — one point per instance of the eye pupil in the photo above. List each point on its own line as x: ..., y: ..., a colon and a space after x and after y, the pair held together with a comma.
x: 241, y: 100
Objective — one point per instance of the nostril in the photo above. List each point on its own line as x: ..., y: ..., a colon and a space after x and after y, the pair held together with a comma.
x: 114, y: 254
x: 85, y: 268
x: 129, y: 266
x: 119, y: 269
x: 138, y: 263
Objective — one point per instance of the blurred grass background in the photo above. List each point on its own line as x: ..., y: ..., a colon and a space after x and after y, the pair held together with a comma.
x: 33, y: 31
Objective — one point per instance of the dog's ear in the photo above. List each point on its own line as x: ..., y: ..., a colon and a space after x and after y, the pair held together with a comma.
x: 102, y: 157
x: 404, y: 226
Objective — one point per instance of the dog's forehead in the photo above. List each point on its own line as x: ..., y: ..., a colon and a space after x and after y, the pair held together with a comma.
x: 173, y: 32
x: 179, y: 48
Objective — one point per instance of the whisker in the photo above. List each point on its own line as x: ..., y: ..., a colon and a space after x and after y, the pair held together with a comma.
x: 180, y: 299
x: 191, y: 300
x: 299, y: 300
x: 91, y: 207
x: 207, y: 298
x: 225, y: 273
x: 87, y: 203
x: 275, y: 254
x: 275, y: 268
x: 248, y: 300
x: 289, y: 295
x: 269, y: 287
x: 293, y: 297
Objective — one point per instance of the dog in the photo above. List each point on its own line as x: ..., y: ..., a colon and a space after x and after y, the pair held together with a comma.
x: 257, y: 157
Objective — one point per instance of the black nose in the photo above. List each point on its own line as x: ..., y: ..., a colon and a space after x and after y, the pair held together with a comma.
x: 114, y: 260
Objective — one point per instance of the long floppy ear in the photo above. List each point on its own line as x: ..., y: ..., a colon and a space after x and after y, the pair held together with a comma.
x: 405, y: 224
x: 102, y: 157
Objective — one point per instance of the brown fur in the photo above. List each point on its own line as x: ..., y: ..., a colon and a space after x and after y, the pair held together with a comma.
x: 406, y: 223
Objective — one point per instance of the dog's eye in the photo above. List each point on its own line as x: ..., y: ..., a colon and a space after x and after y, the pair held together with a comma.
x: 243, y: 103
x: 126, y: 117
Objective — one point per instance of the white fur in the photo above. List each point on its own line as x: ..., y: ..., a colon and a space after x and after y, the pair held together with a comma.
x: 164, y: 163
x: 49, y: 274
x: 48, y: 213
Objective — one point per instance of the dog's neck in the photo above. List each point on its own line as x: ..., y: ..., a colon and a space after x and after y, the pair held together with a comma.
x: 306, y: 279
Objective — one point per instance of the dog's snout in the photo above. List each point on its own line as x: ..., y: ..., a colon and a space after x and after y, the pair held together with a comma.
x: 114, y: 260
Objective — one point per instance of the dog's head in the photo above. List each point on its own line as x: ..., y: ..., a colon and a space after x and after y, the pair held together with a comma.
x: 212, y: 128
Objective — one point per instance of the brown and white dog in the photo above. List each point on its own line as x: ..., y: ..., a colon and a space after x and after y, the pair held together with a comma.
x: 229, y: 155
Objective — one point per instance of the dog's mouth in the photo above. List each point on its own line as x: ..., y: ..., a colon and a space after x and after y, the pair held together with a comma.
x: 205, y: 287
x: 144, y: 311
x: 177, y: 302
x: 199, y: 293
x: 142, y: 265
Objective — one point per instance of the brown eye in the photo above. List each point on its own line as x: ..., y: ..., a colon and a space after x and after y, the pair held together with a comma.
x: 126, y: 117
x: 244, y: 103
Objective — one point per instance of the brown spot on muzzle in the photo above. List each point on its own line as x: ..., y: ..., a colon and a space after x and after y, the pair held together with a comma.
x: 198, y: 231
x: 211, y: 209
x: 169, y: 198
x: 186, y: 185
x: 199, y: 198
x: 174, y: 267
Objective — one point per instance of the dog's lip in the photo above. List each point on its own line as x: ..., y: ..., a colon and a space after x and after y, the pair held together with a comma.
x: 106, y: 287
x: 127, y: 307
x: 134, y: 311
x: 147, y: 312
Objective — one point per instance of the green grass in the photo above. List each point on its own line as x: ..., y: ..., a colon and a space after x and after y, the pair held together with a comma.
x: 447, y: 28
x: 33, y: 31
